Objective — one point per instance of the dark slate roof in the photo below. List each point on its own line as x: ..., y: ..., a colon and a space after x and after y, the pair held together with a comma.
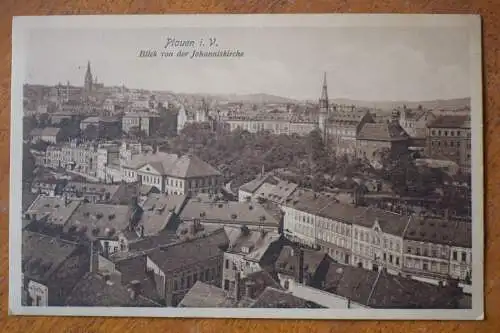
x: 451, y: 121
x: 323, y: 205
x: 384, y: 131
x: 186, y: 166
x: 158, y: 210
x: 383, y: 290
x: 47, y: 131
x: 204, y: 295
x: 453, y: 233
x: 100, y: 220
x: 389, y: 222
x: 150, y: 242
x: 288, y: 260
x: 260, y: 281
x: 93, y: 290
x: 254, y: 184
x: 275, y: 298
x: 42, y: 255
x: 27, y: 199
x: 185, y: 254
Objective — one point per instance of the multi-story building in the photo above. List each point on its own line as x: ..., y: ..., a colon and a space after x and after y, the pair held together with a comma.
x: 415, y: 122
x: 47, y: 134
x: 184, y: 175
x: 177, y: 267
x: 375, y: 138
x: 50, y: 268
x: 248, y: 250
x: 80, y: 157
x: 438, y: 249
x: 140, y: 121
x: 449, y: 138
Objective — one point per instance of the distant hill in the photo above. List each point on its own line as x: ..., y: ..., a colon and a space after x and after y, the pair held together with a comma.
x: 253, y: 98
x: 448, y: 104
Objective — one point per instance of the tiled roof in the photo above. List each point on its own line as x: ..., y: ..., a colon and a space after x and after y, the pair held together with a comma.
x: 185, y: 254
x: 101, y: 220
x: 227, y: 212
x: 158, y: 210
x: 288, y: 260
x: 93, y: 290
x: 389, y: 222
x: 56, y: 209
x: 152, y: 242
x: 453, y: 233
x: 257, y: 242
x: 47, y: 131
x: 275, y: 298
x: 451, y: 121
x: 187, y: 166
x: 383, y: 290
x: 384, y: 131
x: 42, y: 254
x: 85, y: 187
x: 203, y: 295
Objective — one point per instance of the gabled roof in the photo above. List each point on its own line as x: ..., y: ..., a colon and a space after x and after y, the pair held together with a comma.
x: 204, y: 295
x: 185, y: 254
x: 275, y: 298
x: 47, y: 131
x: 383, y: 131
x: 57, y: 210
x: 158, y: 210
x: 100, y: 220
x: 93, y: 290
x: 383, y: 290
x: 453, y: 233
x: 451, y: 121
x: 187, y: 166
x: 42, y: 255
x: 289, y: 259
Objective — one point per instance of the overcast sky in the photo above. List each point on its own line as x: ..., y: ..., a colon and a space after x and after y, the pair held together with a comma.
x: 361, y: 63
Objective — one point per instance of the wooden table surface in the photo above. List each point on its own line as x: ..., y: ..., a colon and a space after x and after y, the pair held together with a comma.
x: 490, y: 11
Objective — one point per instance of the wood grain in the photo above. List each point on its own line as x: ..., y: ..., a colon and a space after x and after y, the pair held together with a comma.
x: 490, y: 11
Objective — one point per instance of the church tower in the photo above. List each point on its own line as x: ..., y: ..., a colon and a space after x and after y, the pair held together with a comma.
x: 88, y: 83
x: 323, y: 108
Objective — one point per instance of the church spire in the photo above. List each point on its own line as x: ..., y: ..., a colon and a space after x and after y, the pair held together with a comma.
x: 323, y: 101
x: 88, y: 79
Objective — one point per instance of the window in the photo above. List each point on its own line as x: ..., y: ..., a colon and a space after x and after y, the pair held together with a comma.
x: 426, y: 252
x: 451, y: 144
x: 434, y: 253
x: 188, y: 282
x: 433, y: 132
x: 385, y: 257
x: 409, y: 249
x: 458, y: 143
x: 425, y: 266
x: 227, y: 264
x: 207, y: 275
x: 418, y: 251
x: 452, y: 133
x: 226, y: 284
x: 458, y: 133
x: 445, y: 133
x: 175, y: 285
x: 397, y: 260
x: 195, y: 278
x: 234, y: 266
x: 390, y: 258
x: 464, y: 256
x: 455, y: 255
x: 287, y: 284
x: 182, y: 282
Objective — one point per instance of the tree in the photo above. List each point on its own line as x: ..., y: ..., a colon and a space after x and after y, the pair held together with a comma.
x: 28, y: 164
x: 91, y: 132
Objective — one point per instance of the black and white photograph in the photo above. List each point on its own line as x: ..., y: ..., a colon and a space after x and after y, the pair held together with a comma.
x: 247, y: 166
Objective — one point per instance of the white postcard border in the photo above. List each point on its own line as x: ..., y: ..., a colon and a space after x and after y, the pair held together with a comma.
x: 21, y: 25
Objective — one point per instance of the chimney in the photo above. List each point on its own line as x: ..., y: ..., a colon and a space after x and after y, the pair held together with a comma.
x: 237, y: 286
x: 301, y: 266
x: 94, y: 257
x: 249, y: 289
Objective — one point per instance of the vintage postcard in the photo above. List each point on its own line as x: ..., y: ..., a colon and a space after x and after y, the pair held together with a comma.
x: 324, y: 166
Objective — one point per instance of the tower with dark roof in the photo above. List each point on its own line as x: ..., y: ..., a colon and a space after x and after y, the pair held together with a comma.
x: 323, y: 108
x: 88, y: 81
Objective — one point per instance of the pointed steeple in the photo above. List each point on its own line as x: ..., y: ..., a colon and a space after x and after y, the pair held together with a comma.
x: 323, y: 101
x: 88, y: 79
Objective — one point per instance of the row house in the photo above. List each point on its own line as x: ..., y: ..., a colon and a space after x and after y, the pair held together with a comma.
x: 372, y: 238
x: 173, y: 174
x: 449, y: 138
x: 177, y: 267
x: 80, y: 157
x: 438, y: 249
